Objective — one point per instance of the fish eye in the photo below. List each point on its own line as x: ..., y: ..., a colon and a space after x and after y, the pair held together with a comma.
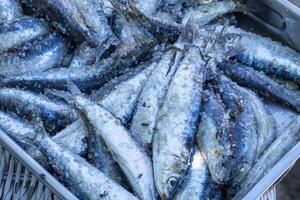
x: 172, y: 182
x: 230, y: 38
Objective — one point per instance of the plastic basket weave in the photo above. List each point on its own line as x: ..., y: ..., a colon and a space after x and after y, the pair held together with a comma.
x: 22, y: 178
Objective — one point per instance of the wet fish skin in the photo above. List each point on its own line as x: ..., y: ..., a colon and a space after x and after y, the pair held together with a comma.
x: 214, y: 137
x: 267, y: 55
x: 176, y: 124
x: 65, y: 17
x: 55, y: 114
x: 83, y: 56
x: 265, y: 122
x: 198, y: 184
x: 205, y: 13
x: 10, y: 10
x: 244, y: 131
x: 94, y: 18
x: 16, y: 32
x: 262, y: 84
x: 148, y: 106
x: 38, y: 56
x: 271, y: 156
x: 84, y: 180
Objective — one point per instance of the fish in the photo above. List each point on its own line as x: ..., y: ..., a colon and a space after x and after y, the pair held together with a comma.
x: 84, y: 180
x: 215, y: 138
x: 206, y: 13
x: 271, y: 156
x: 265, y: 122
x: 37, y: 56
x: 54, y: 113
x: 65, y: 16
x: 176, y: 124
x: 135, y: 163
x: 262, y: 84
x: 198, y: 184
x: 267, y: 55
x: 244, y: 130
x: 94, y: 18
x: 154, y: 25
x: 10, y: 10
x: 152, y: 96
x: 21, y: 30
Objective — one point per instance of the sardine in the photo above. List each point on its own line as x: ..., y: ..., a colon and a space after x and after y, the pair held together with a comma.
x: 215, y: 138
x: 176, y: 124
x: 10, y: 10
x: 34, y: 57
x: 152, y: 96
x: 267, y: 55
x: 198, y: 184
x: 83, y: 179
x: 19, y: 31
x: 244, y: 130
x: 135, y: 164
x: 65, y: 16
x: 262, y: 84
x: 271, y: 156
x: 265, y: 122
x: 55, y: 114
x: 94, y: 18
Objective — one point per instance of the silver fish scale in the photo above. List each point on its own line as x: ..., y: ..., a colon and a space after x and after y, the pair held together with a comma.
x: 176, y: 124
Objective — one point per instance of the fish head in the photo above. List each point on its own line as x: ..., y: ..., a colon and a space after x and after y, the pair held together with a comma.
x: 170, y: 174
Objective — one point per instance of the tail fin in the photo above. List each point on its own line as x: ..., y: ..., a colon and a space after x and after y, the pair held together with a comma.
x: 37, y: 124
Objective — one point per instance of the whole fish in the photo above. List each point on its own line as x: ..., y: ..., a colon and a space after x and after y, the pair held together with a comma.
x: 16, y: 32
x: 267, y: 55
x: 205, y: 13
x: 10, y: 10
x: 271, y: 156
x: 198, y: 184
x: 176, y: 124
x: 65, y: 16
x: 94, y: 18
x: 135, y: 164
x: 152, y: 96
x: 83, y: 179
x: 36, y: 56
x: 55, y: 114
x: 215, y: 138
x: 262, y: 84
x: 265, y: 122
x: 244, y: 130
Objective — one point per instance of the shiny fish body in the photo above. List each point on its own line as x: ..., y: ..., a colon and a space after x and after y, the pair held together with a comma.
x: 135, y: 164
x: 54, y: 113
x: 269, y: 56
x: 10, y: 10
x: 83, y: 56
x: 17, y: 129
x: 215, y: 139
x: 21, y: 30
x: 65, y: 17
x: 176, y: 124
x: 38, y: 56
x: 271, y: 156
x: 265, y: 122
x: 205, y: 13
x: 198, y: 184
x: 144, y: 119
x: 122, y: 99
x: 94, y: 18
x: 262, y: 84
x: 83, y: 179
x: 244, y: 130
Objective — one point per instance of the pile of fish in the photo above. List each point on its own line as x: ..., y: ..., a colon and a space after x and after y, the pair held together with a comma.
x: 135, y: 99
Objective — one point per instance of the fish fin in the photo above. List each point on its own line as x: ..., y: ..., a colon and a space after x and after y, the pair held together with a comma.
x: 37, y: 124
x: 72, y: 87
x: 67, y: 96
